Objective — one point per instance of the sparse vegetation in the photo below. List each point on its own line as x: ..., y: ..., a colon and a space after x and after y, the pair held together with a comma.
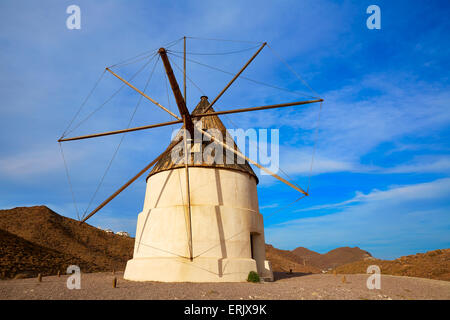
x: 253, y: 277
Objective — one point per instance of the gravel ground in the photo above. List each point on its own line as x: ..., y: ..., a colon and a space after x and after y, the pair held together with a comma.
x: 296, y: 286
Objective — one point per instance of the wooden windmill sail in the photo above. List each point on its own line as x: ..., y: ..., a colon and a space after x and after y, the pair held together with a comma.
x: 222, y: 194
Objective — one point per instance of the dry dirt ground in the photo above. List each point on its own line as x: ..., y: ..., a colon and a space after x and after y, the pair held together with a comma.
x: 296, y: 286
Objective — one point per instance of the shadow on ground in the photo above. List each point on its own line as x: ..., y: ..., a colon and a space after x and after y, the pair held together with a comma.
x: 287, y: 275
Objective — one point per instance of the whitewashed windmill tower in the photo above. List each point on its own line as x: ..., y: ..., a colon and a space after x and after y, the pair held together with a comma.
x: 224, y: 234
x: 200, y: 221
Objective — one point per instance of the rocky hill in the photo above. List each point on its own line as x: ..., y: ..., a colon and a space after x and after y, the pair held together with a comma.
x: 22, y: 258
x: 432, y: 264
x: 331, y: 259
x: 305, y: 253
x: 285, y: 260
x: 65, y: 238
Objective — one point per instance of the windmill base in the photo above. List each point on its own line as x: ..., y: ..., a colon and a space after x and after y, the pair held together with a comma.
x: 198, y: 270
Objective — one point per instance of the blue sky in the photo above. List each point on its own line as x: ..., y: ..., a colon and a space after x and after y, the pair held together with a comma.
x: 380, y: 178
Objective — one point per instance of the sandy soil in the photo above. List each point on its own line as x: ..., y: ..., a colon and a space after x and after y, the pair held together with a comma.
x: 296, y: 286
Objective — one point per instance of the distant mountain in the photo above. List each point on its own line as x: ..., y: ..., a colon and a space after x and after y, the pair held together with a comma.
x: 432, y: 264
x: 285, y: 260
x: 45, y: 228
x: 331, y: 259
x: 305, y: 253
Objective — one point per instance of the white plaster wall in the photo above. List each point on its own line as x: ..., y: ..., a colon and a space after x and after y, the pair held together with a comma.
x: 224, y: 211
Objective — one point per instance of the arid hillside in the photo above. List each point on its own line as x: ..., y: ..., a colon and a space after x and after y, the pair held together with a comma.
x: 331, y: 259
x: 47, y: 229
x: 305, y: 253
x: 285, y: 260
x: 22, y: 258
x: 432, y: 264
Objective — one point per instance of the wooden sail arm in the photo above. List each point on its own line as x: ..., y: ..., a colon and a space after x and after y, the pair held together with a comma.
x: 281, y: 105
x: 239, y: 154
x: 104, y: 203
x: 184, y: 112
x: 235, y: 77
x: 200, y: 115
x: 102, y: 134
x: 187, y: 158
x: 143, y: 94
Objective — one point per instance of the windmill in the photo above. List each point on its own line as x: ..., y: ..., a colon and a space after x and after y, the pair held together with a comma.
x: 209, y: 227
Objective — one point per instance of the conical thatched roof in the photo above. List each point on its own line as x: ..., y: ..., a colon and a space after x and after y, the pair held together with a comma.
x: 210, y: 122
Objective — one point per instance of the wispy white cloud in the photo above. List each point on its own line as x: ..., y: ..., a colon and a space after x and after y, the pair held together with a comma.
x: 428, y: 164
x: 269, y: 206
x: 351, y: 128
x: 29, y: 163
